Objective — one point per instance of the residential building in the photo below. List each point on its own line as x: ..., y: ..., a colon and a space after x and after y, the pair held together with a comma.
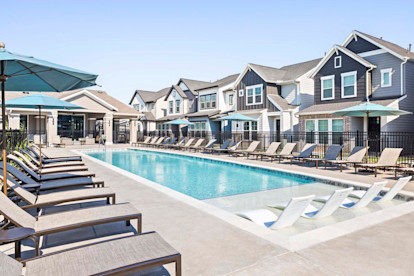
x: 273, y: 96
x: 362, y: 68
x: 102, y: 115
x: 152, y: 105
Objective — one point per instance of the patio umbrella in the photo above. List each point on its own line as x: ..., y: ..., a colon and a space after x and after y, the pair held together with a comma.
x: 236, y: 117
x: 179, y: 122
x: 39, y: 101
x: 26, y: 73
x: 367, y: 110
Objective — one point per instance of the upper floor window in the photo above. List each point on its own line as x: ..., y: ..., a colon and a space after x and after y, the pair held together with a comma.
x: 191, y: 103
x: 327, y: 88
x: 254, y: 94
x: 208, y: 101
x: 230, y: 99
x: 386, y: 77
x: 136, y: 107
x: 152, y: 106
x: 177, y: 106
x: 349, y: 84
x: 338, y: 62
x: 170, y: 107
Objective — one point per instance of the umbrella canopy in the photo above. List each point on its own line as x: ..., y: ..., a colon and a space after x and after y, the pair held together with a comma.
x: 179, y: 122
x: 26, y: 73
x: 370, y: 110
x: 236, y: 117
x: 35, y: 101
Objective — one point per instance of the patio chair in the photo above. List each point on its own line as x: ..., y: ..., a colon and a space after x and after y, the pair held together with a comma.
x: 392, y: 192
x: 330, y: 206
x: 164, y: 143
x: 54, y: 198
x: 49, y: 165
x: 31, y: 184
x: 252, y: 147
x: 127, y: 255
x: 198, y: 146
x: 151, y: 142
x: 292, y: 212
x: 158, y: 142
x: 186, y: 145
x: 169, y: 143
x: 305, y: 153
x: 368, y: 197
x: 388, y: 159
x: 146, y: 141
x: 179, y: 143
x: 355, y: 157
x: 48, y: 159
x: 49, y: 170
x: 223, y: 147
x: 67, y: 220
x: 270, y: 152
x: 331, y: 154
x: 52, y: 176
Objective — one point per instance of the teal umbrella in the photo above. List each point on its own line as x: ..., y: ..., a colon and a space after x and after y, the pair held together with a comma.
x: 236, y: 117
x: 368, y: 109
x: 39, y: 101
x: 26, y: 73
x: 179, y: 122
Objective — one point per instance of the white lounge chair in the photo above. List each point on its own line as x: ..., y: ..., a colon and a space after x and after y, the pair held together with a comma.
x: 289, y: 216
x: 331, y: 205
x: 395, y: 189
x: 369, y: 196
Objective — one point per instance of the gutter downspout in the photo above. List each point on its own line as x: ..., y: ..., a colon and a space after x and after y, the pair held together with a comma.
x: 402, y: 76
x: 367, y: 83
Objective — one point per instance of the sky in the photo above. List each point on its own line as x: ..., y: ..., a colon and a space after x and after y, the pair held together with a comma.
x: 150, y: 45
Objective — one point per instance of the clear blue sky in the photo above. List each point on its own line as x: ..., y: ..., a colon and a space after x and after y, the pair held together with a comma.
x: 151, y: 44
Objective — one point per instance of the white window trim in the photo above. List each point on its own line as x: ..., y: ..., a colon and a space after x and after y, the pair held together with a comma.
x: 383, y: 71
x: 343, y: 75
x: 333, y: 87
x: 241, y: 93
x: 330, y: 126
x: 340, y: 62
x: 254, y: 94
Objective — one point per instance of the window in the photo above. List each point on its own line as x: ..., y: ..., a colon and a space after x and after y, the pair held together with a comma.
x: 136, y: 107
x: 231, y: 99
x: 208, y: 101
x: 152, y: 106
x: 254, y: 94
x: 338, y: 62
x: 337, y: 131
x: 324, y: 131
x: 254, y: 125
x: 191, y: 103
x: 327, y: 88
x: 386, y: 77
x: 171, y: 107
x: 323, y: 126
x: 177, y: 106
x: 310, y: 131
x: 241, y: 93
x: 348, y: 84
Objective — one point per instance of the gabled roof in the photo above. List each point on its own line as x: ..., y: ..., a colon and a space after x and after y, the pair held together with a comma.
x: 150, y: 96
x: 336, y: 49
x: 178, y: 89
x: 148, y: 116
x: 390, y: 47
x: 279, y: 75
x: 193, y: 85
x: 219, y: 83
x: 204, y: 113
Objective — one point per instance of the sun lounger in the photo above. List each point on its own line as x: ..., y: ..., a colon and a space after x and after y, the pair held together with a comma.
x: 169, y: 143
x: 52, y: 176
x: 230, y: 147
x: 68, y: 220
x: 331, y: 205
x: 120, y: 256
x: 368, y: 197
x: 199, y: 147
x: 47, y: 159
x: 288, y: 217
x: 189, y: 145
x: 23, y: 154
x: 223, y: 147
x: 158, y: 142
x: 388, y: 159
x: 252, y: 147
x: 285, y: 152
x: 392, y: 192
x: 179, y: 144
x: 151, y: 142
x: 38, y: 201
x: 146, y: 141
x: 305, y: 153
x: 164, y: 143
x: 49, y: 170
x: 355, y: 157
x: 270, y: 152
x: 331, y: 154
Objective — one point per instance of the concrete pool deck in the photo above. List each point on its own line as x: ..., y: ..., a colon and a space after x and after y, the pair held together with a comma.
x: 211, y: 246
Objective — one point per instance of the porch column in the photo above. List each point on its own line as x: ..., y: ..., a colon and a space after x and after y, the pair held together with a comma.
x: 52, y: 127
x: 14, y: 121
x: 133, y: 129
x: 108, y: 127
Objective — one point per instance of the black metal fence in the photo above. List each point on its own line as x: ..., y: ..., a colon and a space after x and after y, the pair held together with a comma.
x: 376, y: 141
x: 16, y: 139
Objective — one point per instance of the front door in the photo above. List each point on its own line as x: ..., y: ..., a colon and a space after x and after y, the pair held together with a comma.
x: 374, y: 134
x: 277, y: 129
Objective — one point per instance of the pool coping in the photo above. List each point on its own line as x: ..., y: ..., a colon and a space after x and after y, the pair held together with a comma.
x: 291, y: 242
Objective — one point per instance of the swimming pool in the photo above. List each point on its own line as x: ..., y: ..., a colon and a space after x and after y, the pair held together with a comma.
x: 200, y: 178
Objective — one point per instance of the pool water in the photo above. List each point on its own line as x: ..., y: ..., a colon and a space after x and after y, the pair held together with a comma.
x: 199, y: 177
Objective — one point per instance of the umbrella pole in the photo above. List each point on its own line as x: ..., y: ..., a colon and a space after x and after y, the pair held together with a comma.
x: 3, y: 116
x: 40, y: 136
x: 366, y: 145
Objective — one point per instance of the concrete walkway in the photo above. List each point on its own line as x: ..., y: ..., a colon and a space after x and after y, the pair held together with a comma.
x: 211, y: 246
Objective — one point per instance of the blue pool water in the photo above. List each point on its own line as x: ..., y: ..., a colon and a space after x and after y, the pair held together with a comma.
x: 197, y: 177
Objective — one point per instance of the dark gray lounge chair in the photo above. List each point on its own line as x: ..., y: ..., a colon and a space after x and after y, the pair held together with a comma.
x: 50, y: 165
x: 127, y: 255
x: 46, y: 159
x: 305, y: 153
x: 331, y: 154
x: 355, y: 157
x: 223, y: 146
